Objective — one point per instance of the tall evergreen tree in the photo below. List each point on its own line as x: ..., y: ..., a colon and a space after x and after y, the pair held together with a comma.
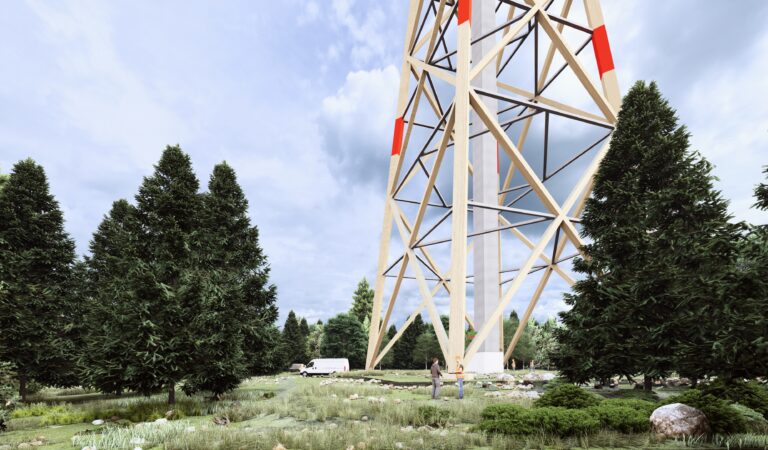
x: 402, y: 351
x: 36, y: 259
x: 106, y: 354
x: 761, y: 193
x: 238, y: 303
x: 294, y: 341
x: 362, y: 301
x: 344, y: 337
x: 165, y: 288
x: 304, y: 327
x: 659, y: 234
x: 315, y: 340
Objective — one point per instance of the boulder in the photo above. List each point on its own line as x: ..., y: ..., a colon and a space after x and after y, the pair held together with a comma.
x: 547, y: 376
x: 678, y: 419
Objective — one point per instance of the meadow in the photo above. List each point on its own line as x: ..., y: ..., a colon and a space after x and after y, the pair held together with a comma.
x: 290, y: 412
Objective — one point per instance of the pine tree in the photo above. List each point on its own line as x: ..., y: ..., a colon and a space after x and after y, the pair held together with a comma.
x: 362, y: 301
x: 344, y: 337
x: 426, y: 348
x: 402, y: 351
x: 761, y: 193
x: 164, y: 285
x: 304, y: 327
x: 388, y: 359
x: 294, y: 342
x: 36, y: 259
x: 106, y: 355
x: 659, y: 234
x: 237, y: 302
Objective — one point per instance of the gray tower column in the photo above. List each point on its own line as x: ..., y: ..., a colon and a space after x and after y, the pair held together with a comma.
x: 485, y: 187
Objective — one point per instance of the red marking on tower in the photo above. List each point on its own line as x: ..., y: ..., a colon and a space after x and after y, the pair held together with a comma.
x: 464, y: 12
x: 602, y: 50
x: 397, y: 139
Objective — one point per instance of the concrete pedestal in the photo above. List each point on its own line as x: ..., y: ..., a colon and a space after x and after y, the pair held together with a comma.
x: 486, y: 362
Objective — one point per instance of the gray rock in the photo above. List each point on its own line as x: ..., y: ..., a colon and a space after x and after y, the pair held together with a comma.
x: 678, y: 419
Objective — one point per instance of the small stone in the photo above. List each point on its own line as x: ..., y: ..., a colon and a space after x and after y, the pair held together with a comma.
x: 5, y: 447
x: 98, y: 422
x: 190, y: 429
x: 361, y: 445
x: 279, y: 446
x: 364, y: 418
x: 36, y: 443
x: 333, y: 425
x: 350, y: 447
x: 24, y: 445
x: 161, y: 421
x: 398, y: 401
x: 407, y: 429
x: 399, y: 445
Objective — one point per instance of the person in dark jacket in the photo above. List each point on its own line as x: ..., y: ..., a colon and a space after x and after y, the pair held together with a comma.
x: 436, y: 374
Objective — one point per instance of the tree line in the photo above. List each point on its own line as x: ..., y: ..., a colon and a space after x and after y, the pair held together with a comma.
x: 670, y: 282
x: 175, y: 291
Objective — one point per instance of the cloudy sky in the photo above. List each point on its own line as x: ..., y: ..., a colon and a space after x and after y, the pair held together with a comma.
x: 299, y: 95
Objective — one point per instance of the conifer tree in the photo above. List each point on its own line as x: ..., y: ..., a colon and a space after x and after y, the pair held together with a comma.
x: 761, y: 193
x: 106, y: 355
x: 362, y: 301
x: 164, y: 285
x: 294, y: 342
x: 315, y: 340
x: 36, y: 259
x: 238, y: 304
x: 344, y: 337
x: 659, y: 233
x: 402, y: 351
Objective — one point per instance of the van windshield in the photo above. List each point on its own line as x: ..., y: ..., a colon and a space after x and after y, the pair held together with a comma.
x: 311, y: 364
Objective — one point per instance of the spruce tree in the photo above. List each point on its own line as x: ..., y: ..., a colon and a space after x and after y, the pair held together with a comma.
x: 761, y: 193
x: 238, y: 304
x: 36, y: 259
x: 659, y: 233
x: 402, y: 351
x: 106, y: 355
x: 344, y: 337
x: 165, y: 287
x: 362, y: 301
x: 294, y: 342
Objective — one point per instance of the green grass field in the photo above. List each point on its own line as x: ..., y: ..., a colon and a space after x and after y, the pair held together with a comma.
x: 295, y: 412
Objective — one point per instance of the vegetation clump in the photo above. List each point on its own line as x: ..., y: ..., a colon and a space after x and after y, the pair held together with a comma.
x: 723, y: 418
x: 567, y: 396
x: 517, y: 420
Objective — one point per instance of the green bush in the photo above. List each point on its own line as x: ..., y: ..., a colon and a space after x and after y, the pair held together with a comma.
x: 755, y: 421
x: 37, y: 410
x: 723, y: 418
x: 567, y: 396
x: 625, y: 416
x: 750, y: 394
x: 516, y: 420
x: 431, y: 416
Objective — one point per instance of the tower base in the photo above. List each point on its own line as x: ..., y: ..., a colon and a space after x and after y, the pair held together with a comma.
x: 486, y: 362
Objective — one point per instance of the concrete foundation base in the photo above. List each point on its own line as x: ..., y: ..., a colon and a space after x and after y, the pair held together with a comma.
x: 486, y: 362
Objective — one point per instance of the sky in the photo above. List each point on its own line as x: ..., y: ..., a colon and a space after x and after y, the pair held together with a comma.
x: 299, y: 95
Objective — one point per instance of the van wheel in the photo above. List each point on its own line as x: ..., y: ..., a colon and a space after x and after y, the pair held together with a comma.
x: 304, y: 374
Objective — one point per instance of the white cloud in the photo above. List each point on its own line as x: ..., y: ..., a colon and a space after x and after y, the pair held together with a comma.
x: 310, y: 13
x: 356, y: 124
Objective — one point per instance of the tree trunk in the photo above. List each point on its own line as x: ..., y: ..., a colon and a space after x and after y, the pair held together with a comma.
x: 23, y: 388
x: 647, y: 383
x: 172, y: 394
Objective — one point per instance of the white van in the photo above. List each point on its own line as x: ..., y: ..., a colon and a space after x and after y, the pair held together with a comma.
x: 325, y: 366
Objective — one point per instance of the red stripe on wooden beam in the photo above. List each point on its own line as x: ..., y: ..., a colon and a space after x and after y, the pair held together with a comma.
x: 602, y: 50
x: 465, y: 11
x: 397, y: 139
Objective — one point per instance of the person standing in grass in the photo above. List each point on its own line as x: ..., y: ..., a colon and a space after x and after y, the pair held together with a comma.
x: 436, y: 374
x: 460, y: 380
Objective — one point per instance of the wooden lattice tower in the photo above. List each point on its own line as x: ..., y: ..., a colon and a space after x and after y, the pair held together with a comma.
x: 506, y: 74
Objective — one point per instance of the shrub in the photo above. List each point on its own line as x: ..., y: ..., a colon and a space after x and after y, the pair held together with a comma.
x: 723, y: 418
x: 431, y: 416
x: 755, y: 421
x: 567, y: 396
x: 625, y: 416
x: 750, y: 394
x: 516, y: 420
